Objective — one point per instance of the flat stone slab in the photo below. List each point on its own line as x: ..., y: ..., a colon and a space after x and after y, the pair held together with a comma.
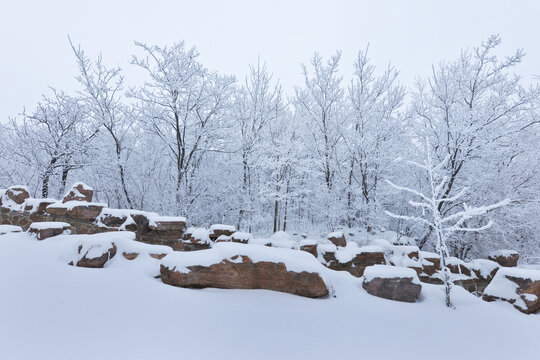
x: 240, y: 266
x: 45, y: 230
x: 392, y: 283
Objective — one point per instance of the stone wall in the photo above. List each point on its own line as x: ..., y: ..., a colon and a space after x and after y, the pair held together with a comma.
x: 86, y: 217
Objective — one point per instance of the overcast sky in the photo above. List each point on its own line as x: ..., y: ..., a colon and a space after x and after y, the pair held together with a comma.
x: 35, y: 52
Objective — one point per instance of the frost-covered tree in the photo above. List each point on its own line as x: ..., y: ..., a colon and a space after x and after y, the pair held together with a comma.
x: 320, y: 103
x: 102, y: 95
x: 183, y: 104
x: 375, y: 133
x: 50, y: 141
x: 256, y: 104
x: 472, y: 109
x: 443, y: 225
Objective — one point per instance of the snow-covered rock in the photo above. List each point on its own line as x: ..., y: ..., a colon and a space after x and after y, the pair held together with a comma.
x: 282, y: 239
x: 520, y: 287
x: 392, y: 282
x: 239, y: 266
x: 337, y: 238
x: 79, y: 192
x: 507, y: 258
x: 44, y: 230
x: 217, y: 230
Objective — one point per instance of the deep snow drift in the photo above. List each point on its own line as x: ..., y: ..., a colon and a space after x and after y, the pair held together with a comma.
x: 49, y: 310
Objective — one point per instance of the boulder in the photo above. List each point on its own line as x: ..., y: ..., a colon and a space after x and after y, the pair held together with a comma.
x: 241, y: 237
x: 37, y: 206
x: 483, y: 269
x: 520, y: 287
x: 96, y: 255
x: 44, y: 230
x: 85, y: 211
x: 391, y: 282
x: 457, y: 266
x: 79, y: 192
x: 113, y: 218
x: 309, y: 246
x: 130, y: 255
x: 337, y: 238
x: 167, y: 223
x: 506, y: 258
x: 217, y: 230
x: 17, y: 194
x: 366, y: 258
x: 191, y: 245
x: 238, y: 266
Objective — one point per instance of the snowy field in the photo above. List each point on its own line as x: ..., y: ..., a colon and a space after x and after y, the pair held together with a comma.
x: 49, y: 310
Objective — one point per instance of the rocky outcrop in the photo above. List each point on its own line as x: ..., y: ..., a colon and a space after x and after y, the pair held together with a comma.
x: 520, y: 287
x: 393, y: 283
x: 230, y: 274
x: 233, y: 267
x: 45, y: 230
x: 506, y: 258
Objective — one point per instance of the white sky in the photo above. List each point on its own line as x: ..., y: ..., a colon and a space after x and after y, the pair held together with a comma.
x: 35, y: 52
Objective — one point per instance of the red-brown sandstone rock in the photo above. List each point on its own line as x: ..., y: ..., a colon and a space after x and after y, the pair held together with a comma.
x: 93, y: 261
x: 393, y: 283
x: 44, y: 230
x: 506, y: 258
x: 79, y: 192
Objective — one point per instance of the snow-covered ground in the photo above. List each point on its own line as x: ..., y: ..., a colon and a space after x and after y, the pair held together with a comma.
x: 49, y: 310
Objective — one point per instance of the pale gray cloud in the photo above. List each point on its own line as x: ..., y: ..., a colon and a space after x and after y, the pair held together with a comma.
x: 231, y: 34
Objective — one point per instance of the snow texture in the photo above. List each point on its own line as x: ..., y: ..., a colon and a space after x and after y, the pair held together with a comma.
x: 122, y: 312
x: 390, y: 272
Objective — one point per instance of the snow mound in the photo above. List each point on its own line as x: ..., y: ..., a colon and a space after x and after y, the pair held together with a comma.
x: 48, y: 225
x: 6, y: 229
x: 282, y: 239
x: 222, y: 227
x: 504, y: 253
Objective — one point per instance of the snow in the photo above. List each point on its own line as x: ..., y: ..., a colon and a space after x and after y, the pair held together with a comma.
x: 5, y: 229
x: 242, y: 236
x: 428, y: 255
x: 347, y: 253
x: 48, y: 225
x: 504, y: 253
x: 294, y: 260
x: 305, y: 242
x: 505, y: 288
x: 335, y: 234
x: 484, y: 266
x: 282, y: 239
x: 324, y: 248
x: 224, y: 227
x: 70, y: 205
x: 55, y: 311
x: 34, y: 203
x: 389, y: 272
x: 154, y: 219
x: 199, y: 233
